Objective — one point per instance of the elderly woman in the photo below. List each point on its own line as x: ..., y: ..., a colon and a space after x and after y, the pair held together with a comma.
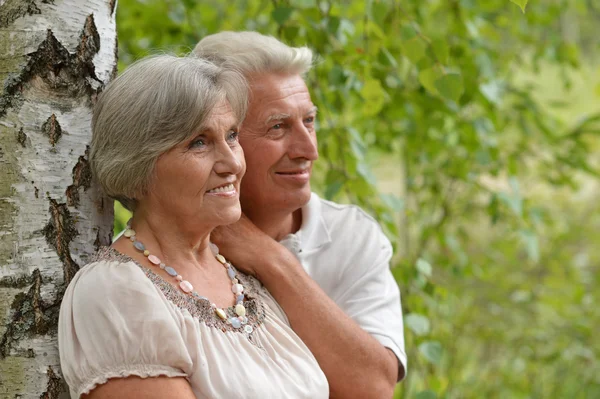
x: 162, y: 302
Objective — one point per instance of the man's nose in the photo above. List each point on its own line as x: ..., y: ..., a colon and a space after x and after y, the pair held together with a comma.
x: 304, y: 143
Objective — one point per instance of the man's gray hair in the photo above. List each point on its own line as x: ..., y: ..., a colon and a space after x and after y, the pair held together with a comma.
x: 156, y: 104
x: 254, y: 53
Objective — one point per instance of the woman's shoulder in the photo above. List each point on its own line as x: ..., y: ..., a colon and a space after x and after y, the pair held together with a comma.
x: 109, y: 276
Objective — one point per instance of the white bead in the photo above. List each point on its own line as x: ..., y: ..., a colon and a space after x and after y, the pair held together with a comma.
x: 214, y: 249
x: 240, y: 310
x: 237, y: 288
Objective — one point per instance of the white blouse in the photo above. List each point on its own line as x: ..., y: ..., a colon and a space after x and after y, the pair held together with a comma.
x: 120, y: 319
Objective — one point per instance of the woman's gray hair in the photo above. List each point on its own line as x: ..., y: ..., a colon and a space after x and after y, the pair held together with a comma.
x: 157, y: 103
x: 254, y: 53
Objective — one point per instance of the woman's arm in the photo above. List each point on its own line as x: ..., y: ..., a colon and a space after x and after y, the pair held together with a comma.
x: 146, y: 388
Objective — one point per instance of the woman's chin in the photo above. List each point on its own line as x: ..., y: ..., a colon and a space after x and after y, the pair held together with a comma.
x: 230, y: 216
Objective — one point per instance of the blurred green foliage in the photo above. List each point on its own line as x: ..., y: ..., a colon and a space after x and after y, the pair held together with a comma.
x: 490, y: 182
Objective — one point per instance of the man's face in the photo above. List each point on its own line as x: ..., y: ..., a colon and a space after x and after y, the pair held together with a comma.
x: 280, y: 144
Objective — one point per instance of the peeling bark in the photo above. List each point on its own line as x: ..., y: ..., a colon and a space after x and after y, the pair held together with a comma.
x: 22, y: 137
x: 82, y: 177
x: 59, y: 233
x: 55, y: 385
x: 51, y: 128
x: 57, y: 56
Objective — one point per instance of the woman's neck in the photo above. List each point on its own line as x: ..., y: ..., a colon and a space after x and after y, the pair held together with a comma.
x: 173, y: 241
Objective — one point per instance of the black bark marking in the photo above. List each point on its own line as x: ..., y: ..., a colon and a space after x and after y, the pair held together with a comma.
x: 30, y: 316
x: 59, y: 233
x: 82, y: 177
x: 89, y: 45
x: 12, y: 10
x: 53, y: 69
x: 97, y: 241
x: 52, y: 129
x: 14, y: 282
x: 22, y: 138
x: 112, y: 4
x: 54, y: 387
x: 113, y: 73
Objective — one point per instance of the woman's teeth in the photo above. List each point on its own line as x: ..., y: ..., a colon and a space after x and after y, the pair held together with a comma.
x: 226, y: 188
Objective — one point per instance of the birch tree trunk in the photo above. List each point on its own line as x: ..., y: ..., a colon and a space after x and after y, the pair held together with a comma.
x: 55, y: 56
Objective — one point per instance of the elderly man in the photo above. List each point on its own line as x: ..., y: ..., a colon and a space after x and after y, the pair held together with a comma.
x: 326, y: 264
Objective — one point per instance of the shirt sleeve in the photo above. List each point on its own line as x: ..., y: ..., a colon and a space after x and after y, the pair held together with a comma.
x: 370, y: 294
x: 113, y: 323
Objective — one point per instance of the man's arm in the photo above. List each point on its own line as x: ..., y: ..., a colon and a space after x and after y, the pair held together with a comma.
x: 355, y: 363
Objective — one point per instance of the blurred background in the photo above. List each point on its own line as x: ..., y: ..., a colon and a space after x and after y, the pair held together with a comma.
x: 470, y: 130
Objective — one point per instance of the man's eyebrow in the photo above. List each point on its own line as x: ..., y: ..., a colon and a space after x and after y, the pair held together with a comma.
x: 277, y: 117
x: 313, y: 110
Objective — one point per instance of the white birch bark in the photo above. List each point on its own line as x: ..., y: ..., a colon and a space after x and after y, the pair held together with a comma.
x: 55, y: 55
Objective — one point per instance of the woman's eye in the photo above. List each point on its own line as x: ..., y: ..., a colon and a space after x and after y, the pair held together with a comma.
x: 198, y: 143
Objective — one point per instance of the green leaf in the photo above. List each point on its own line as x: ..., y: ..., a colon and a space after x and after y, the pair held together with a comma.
x: 532, y: 246
x: 303, y: 3
x: 408, y: 32
x: 432, y: 351
x: 392, y: 201
x: 374, y: 96
x: 428, y: 77
x: 440, y: 49
x: 426, y: 395
x: 414, y: 48
x: 450, y: 86
x: 521, y: 3
x: 282, y: 14
x: 419, y: 324
x: 492, y: 91
x: 424, y: 267
x: 334, y: 181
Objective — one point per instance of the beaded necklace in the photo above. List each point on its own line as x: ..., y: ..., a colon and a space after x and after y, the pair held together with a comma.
x: 186, y: 286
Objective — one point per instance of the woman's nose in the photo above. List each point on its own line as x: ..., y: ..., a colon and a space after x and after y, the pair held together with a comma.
x: 230, y: 160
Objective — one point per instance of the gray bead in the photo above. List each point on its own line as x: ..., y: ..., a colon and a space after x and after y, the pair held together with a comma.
x: 231, y: 273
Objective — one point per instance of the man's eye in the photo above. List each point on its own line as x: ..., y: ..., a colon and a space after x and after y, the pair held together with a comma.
x: 277, y: 126
x: 310, y: 119
x: 233, y: 136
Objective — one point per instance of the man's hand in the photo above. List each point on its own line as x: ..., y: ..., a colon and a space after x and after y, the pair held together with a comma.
x: 239, y: 242
x: 355, y: 364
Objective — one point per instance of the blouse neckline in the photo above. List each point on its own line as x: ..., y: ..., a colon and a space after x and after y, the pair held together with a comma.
x: 198, y: 307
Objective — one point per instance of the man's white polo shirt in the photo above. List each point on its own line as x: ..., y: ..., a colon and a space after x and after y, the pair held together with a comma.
x: 345, y: 251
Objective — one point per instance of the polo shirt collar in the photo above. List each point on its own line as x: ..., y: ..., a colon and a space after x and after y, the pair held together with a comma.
x: 313, y: 232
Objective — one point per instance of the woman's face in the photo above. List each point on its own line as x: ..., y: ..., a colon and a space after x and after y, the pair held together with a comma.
x: 197, y: 182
